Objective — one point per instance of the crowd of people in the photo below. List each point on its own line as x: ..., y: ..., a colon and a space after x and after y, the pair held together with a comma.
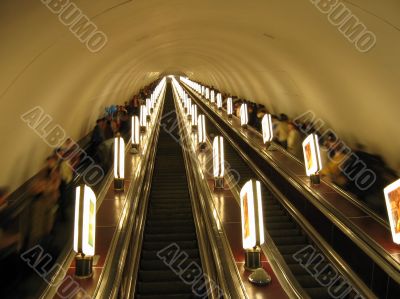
x: 52, y: 188
x: 290, y: 135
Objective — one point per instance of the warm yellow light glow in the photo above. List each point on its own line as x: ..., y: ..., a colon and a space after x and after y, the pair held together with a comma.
x: 135, y: 130
x: 218, y: 157
x: 219, y: 101
x: 194, y: 115
x: 266, y: 123
x: 202, y: 129
x: 85, y: 221
x: 212, y: 96
x: 229, y: 106
x: 392, y: 199
x: 244, y: 118
x: 119, y: 158
x: 207, y: 93
x: 188, y: 106
x: 312, y: 157
x: 148, y: 106
x: 143, y: 116
x: 252, y: 215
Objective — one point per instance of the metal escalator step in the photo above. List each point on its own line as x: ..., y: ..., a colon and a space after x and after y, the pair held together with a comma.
x: 174, y: 237
x: 152, y: 255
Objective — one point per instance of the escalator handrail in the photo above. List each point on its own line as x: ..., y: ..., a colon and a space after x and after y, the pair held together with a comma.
x: 365, y: 242
x: 206, y: 230
x: 111, y: 276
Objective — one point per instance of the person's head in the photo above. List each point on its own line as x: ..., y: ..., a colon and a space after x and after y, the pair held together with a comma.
x: 283, y: 117
x: 291, y: 126
x: 51, y: 161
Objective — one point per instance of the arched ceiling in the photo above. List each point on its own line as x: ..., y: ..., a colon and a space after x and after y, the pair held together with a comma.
x: 282, y: 53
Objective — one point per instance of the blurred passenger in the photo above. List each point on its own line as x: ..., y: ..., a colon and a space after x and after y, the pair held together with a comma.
x: 3, y: 197
x: 108, y: 130
x: 46, y: 194
x: 66, y: 176
x: 332, y: 171
x: 282, y: 131
x: 294, y: 141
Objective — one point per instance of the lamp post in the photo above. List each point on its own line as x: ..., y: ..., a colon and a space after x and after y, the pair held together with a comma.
x: 135, y: 139
x: 218, y: 162
x: 194, y: 117
x: 201, y: 133
x: 229, y: 107
x: 267, y: 131
x: 219, y: 101
x: 312, y: 158
x: 84, y: 231
x: 143, y: 118
x: 244, y: 117
x: 119, y: 163
x: 253, y: 230
x: 212, y: 96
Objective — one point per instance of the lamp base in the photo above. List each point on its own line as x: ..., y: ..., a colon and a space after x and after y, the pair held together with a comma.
x: 260, y: 277
x: 268, y: 145
x: 135, y: 149
x: 119, y: 184
x: 202, y: 147
x: 252, y: 259
x: 244, y: 127
x: 83, y: 266
x: 148, y: 118
x: 315, y: 179
x: 218, y: 183
x: 194, y: 128
x: 189, y: 117
x: 143, y: 129
x: 230, y: 116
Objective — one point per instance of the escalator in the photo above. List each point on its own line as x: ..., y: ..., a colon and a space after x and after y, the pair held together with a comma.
x: 287, y: 235
x: 169, y: 220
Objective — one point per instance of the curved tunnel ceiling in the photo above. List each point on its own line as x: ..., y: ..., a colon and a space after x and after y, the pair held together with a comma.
x: 284, y: 54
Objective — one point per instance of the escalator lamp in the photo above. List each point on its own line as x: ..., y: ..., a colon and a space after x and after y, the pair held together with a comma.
x: 392, y: 199
x: 212, y: 97
x: 188, y: 106
x: 252, y: 215
x: 148, y: 106
x: 135, y: 130
x: 85, y: 221
x: 218, y: 157
x: 207, y: 93
x: 267, y: 128
x: 312, y: 156
x: 194, y: 115
x: 119, y: 158
x: 229, y: 106
x: 202, y: 129
x: 143, y: 116
x: 244, y: 118
x: 219, y: 101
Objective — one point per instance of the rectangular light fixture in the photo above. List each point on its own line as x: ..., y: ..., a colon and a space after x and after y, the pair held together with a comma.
x: 312, y: 157
x: 229, y: 107
x: 252, y: 215
x: 207, y: 93
x: 194, y: 115
x: 85, y: 221
x: 143, y: 117
x: 201, y: 133
x: 135, y: 131
x: 212, y: 96
x: 119, y: 158
x: 392, y: 199
x: 148, y: 106
x: 268, y: 133
x: 218, y: 157
x: 219, y: 101
x: 244, y: 118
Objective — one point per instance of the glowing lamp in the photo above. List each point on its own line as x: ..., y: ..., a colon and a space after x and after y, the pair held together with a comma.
x: 312, y: 158
x: 143, y: 118
x: 218, y: 162
x: 194, y: 117
x: 212, y: 97
x: 119, y: 162
x: 267, y: 131
x: 244, y: 117
x: 207, y: 93
x: 229, y: 107
x: 201, y: 131
x: 84, y: 230
x: 203, y: 91
x: 392, y: 199
x: 253, y: 230
x: 219, y: 101
x: 135, y: 139
x: 189, y: 108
